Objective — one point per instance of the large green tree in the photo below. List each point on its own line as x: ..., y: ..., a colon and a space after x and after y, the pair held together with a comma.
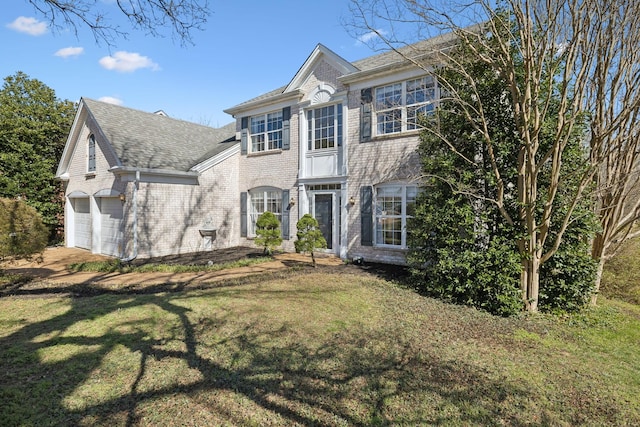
x: 34, y: 125
x: 463, y: 247
x: 576, y: 52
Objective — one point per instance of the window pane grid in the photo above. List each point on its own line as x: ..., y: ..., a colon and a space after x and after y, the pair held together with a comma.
x: 322, y: 124
x: 263, y: 201
x: 390, y: 121
x: 399, y: 105
x: 393, y: 205
x: 389, y: 96
x: 266, y: 132
x: 91, y: 164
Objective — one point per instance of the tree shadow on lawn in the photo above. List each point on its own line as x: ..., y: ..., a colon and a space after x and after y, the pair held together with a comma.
x: 271, y: 372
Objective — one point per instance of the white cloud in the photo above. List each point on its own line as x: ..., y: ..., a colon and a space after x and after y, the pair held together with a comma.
x: 69, y: 51
x: 367, y: 37
x: 111, y: 100
x: 127, y: 62
x: 29, y: 26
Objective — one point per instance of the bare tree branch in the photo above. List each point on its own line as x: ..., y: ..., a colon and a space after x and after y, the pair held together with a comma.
x: 181, y: 17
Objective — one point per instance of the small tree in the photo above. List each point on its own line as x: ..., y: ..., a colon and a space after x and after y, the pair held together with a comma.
x: 22, y: 233
x: 309, y: 236
x: 268, y: 232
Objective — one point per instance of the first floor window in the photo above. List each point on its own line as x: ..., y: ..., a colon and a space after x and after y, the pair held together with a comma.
x: 394, y: 204
x: 91, y: 154
x: 264, y: 200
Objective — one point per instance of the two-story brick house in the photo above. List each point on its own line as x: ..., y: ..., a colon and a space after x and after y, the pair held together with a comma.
x: 338, y: 141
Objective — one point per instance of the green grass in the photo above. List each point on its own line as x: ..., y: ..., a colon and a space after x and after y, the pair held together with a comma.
x: 112, y: 266
x: 13, y: 279
x: 621, y: 278
x: 311, y: 348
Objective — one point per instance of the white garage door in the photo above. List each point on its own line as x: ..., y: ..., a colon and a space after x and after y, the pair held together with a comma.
x: 111, y: 226
x: 82, y: 221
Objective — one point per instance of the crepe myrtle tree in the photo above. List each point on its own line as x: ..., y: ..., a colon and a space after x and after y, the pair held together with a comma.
x: 309, y: 236
x: 460, y: 247
x: 568, y: 59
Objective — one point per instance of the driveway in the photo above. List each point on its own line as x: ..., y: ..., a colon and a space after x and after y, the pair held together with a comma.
x: 53, y: 269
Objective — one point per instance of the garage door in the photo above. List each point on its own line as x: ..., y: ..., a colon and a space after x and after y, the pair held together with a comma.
x: 82, y: 221
x: 111, y: 226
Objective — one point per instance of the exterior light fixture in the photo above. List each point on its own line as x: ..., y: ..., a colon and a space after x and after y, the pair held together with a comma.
x: 122, y: 197
x: 292, y: 201
x: 352, y: 201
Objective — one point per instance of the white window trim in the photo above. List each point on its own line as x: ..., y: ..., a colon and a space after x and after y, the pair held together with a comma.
x: 403, y: 107
x: 403, y: 216
x: 265, y: 117
x: 262, y: 192
x: 91, y: 150
x: 339, y: 128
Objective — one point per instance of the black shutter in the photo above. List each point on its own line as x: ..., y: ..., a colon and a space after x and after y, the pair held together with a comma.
x: 286, y: 209
x: 286, y: 131
x: 244, y: 134
x: 366, y: 115
x: 366, y: 215
x: 243, y: 214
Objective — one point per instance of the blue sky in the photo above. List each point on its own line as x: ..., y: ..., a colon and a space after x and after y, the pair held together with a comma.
x: 249, y: 47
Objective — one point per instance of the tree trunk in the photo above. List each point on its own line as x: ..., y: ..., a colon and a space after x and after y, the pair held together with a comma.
x: 598, y: 254
x: 530, y: 280
x: 531, y: 252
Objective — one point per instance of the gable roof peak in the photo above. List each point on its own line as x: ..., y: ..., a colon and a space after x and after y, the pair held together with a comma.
x: 153, y: 141
x: 320, y: 51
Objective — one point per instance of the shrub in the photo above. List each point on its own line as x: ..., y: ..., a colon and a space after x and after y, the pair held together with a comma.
x: 268, y: 232
x: 22, y: 233
x: 309, y: 236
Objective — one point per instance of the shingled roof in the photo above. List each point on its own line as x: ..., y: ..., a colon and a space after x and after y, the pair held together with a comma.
x: 414, y: 51
x: 382, y: 60
x: 154, y: 141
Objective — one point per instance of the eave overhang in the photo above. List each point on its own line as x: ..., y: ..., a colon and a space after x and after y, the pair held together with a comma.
x: 164, y: 176
x: 252, y: 105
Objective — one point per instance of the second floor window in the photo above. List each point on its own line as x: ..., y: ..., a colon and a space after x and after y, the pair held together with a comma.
x: 91, y: 154
x: 398, y: 105
x: 324, y: 127
x: 266, y: 132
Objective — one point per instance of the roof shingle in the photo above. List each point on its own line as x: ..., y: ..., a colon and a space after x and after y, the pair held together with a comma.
x: 153, y: 141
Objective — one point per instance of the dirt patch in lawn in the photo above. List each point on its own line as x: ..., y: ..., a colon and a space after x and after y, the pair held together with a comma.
x: 51, y: 274
x: 219, y: 256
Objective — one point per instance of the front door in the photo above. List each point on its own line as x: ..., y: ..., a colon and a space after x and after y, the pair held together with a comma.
x: 323, y: 207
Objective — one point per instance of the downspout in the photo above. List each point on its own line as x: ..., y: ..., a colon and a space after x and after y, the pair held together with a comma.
x: 134, y: 210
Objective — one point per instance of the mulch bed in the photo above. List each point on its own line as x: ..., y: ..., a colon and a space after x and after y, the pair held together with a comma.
x: 217, y: 256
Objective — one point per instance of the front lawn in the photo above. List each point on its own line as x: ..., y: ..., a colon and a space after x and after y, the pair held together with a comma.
x: 310, y: 348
